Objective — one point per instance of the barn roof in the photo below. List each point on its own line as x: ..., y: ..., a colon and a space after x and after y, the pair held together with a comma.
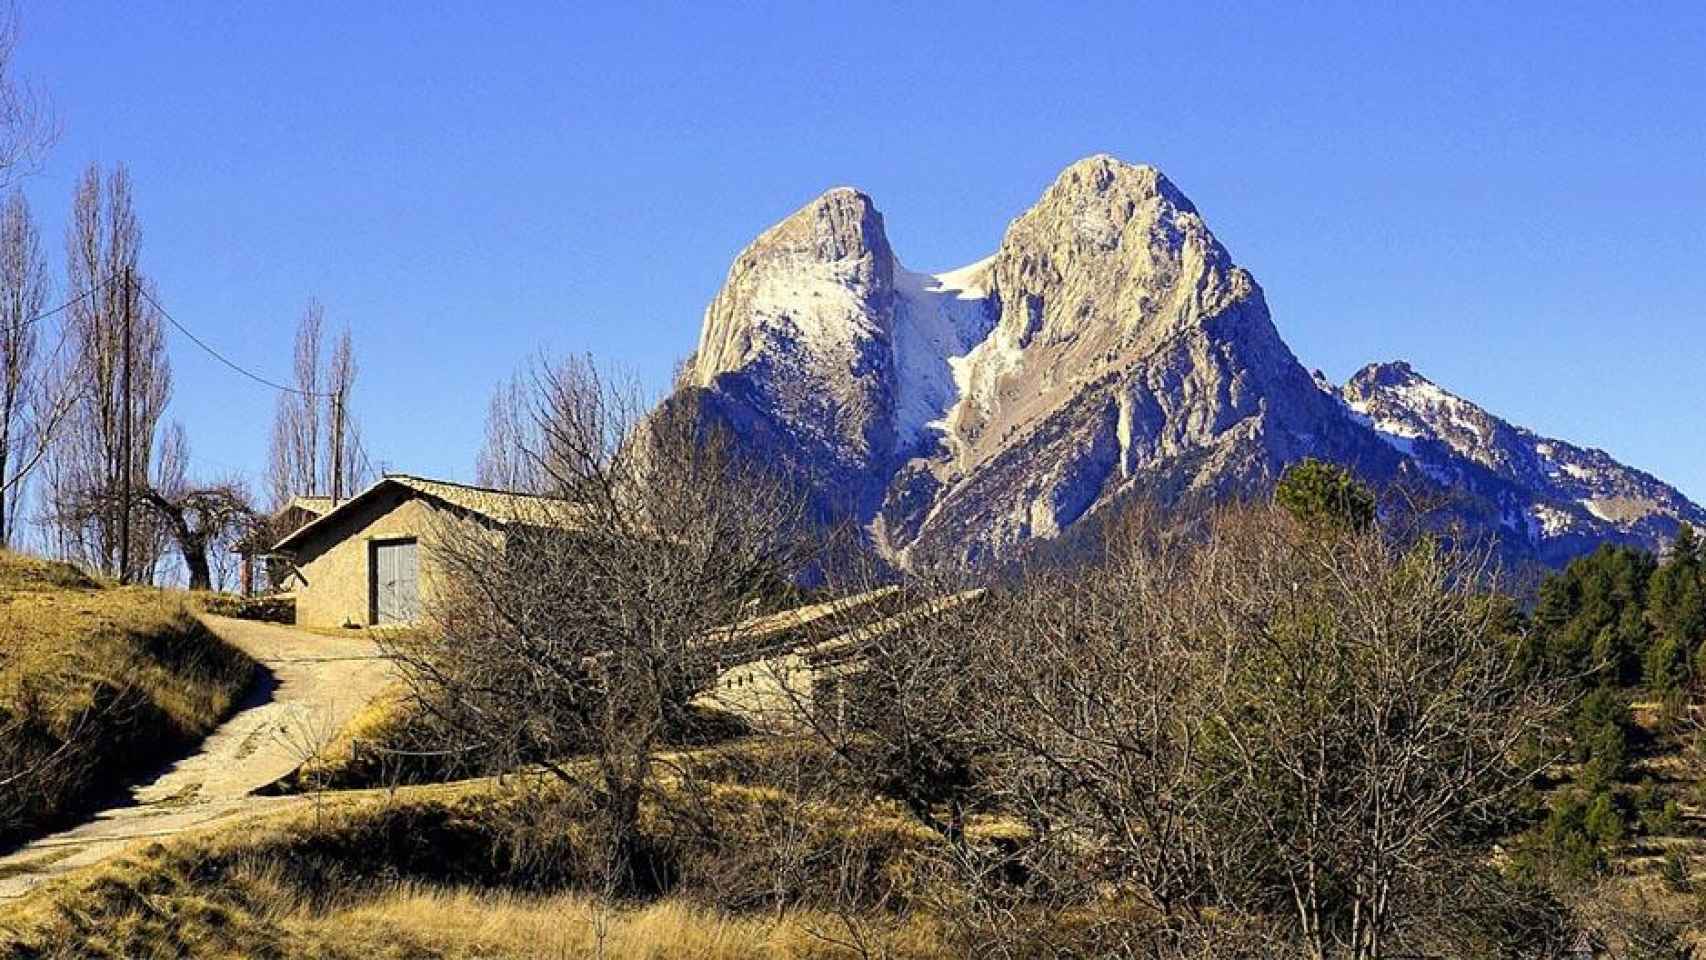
x: 318, y: 506
x: 499, y: 506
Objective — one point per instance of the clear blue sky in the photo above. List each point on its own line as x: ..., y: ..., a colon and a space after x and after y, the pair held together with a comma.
x: 1511, y: 196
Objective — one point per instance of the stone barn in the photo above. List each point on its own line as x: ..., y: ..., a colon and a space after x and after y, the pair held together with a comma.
x: 368, y: 561
x: 811, y: 660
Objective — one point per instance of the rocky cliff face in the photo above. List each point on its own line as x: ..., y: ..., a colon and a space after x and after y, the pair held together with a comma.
x: 1109, y: 345
x: 798, y: 348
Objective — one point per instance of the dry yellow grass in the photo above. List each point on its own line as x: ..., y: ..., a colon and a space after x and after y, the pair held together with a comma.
x: 426, y: 873
x: 393, y: 741
x: 342, y: 764
x: 389, y: 742
x: 466, y: 924
x: 109, y: 681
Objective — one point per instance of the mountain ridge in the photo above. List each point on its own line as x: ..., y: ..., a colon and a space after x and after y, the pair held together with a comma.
x: 1578, y: 494
x: 1110, y: 343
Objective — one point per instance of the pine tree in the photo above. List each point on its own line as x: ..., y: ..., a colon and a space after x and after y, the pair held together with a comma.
x: 1593, y: 616
x: 1318, y: 493
x: 1676, y: 598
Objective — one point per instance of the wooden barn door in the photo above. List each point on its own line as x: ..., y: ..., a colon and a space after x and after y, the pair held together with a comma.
x: 396, y: 582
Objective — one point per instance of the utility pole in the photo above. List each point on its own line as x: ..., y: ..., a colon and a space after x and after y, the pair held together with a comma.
x: 124, y: 442
x: 337, y: 444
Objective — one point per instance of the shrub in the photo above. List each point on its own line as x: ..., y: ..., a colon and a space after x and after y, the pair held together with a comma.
x: 1674, y: 871
x: 1563, y: 847
x: 1601, y: 738
x: 1665, y: 665
x: 269, y: 608
x: 1659, y: 817
x: 1603, y: 821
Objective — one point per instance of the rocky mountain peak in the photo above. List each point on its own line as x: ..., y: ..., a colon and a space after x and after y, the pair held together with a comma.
x: 1101, y: 205
x: 1560, y: 497
x: 1393, y: 373
x: 816, y: 281
x: 1117, y: 245
x: 1109, y: 347
x: 842, y: 224
x: 1110, y: 263
x: 1104, y: 175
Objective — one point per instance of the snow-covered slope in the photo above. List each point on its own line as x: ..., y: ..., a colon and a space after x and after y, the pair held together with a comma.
x: 939, y: 320
x: 1110, y: 345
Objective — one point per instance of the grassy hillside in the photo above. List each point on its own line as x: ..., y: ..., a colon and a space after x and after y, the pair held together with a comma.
x: 479, y: 869
x: 1646, y: 842
x: 451, y: 871
x: 98, y: 685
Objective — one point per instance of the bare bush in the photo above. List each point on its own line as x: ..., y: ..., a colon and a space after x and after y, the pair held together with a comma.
x: 588, y: 626
x: 1251, y: 717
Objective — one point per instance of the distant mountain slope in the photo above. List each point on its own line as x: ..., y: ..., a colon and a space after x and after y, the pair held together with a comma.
x: 1564, y: 499
x: 1109, y: 345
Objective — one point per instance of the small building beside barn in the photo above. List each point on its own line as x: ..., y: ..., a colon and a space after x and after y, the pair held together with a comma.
x: 368, y: 561
x: 779, y: 671
x: 257, y: 569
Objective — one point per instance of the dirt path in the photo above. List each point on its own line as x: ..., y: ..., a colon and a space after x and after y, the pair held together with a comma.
x: 311, y: 686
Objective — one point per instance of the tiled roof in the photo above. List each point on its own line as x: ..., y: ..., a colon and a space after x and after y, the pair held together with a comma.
x: 504, y: 506
x: 318, y: 506
x: 500, y: 506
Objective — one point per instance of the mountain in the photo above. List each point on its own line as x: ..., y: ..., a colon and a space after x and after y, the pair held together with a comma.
x: 1559, y: 498
x: 1109, y: 346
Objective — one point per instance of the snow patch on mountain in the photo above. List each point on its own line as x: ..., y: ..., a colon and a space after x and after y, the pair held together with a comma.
x: 812, y: 304
x: 1397, y: 434
x: 1549, y: 521
x: 939, y: 319
x: 970, y: 282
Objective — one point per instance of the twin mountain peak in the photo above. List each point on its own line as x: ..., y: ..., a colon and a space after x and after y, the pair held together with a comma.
x: 1109, y: 347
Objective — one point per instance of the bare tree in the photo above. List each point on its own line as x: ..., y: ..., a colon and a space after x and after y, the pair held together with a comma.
x: 507, y: 455
x: 1273, y: 714
x: 589, y: 627
x: 1374, y: 733
x: 28, y: 126
x: 23, y: 293
x: 1308, y: 731
x: 296, y: 428
x: 90, y: 471
x: 1102, y: 713
x: 343, y: 468
x: 315, y: 438
x: 200, y: 518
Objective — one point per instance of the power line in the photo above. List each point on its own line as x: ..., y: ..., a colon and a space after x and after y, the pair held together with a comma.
x: 361, y: 449
x: 97, y: 288
x: 222, y: 358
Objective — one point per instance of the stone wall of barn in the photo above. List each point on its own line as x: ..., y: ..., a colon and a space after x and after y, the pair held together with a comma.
x: 333, y: 574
